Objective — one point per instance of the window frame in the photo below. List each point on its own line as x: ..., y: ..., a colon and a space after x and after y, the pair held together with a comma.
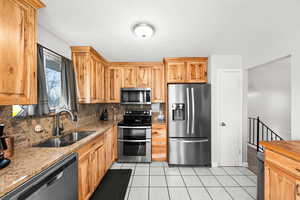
x: 46, y: 53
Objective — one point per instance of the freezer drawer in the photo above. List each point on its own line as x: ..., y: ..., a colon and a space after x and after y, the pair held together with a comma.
x: 184, y: 151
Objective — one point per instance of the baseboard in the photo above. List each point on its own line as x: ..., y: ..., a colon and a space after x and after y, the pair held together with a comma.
x: 214, y: 164
x: 244, y: 164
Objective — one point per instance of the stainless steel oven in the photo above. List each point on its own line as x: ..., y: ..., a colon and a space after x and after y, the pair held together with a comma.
x: 135, y: 95
x: 134, y: 143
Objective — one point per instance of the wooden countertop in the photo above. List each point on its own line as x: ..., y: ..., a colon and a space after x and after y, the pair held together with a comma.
x: 290, y: 149
x: 27, y: 162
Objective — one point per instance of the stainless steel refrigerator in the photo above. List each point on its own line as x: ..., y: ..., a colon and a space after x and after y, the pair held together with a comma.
x: 189, y: 124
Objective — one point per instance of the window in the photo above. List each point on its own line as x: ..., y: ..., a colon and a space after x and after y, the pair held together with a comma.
x: 52, y: 63
x: 53, y: 79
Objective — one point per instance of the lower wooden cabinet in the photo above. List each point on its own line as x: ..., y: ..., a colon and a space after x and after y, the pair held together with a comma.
x: 95, y: 158
x: 159, y: 142
x: 84, y: 182
x: 108, y: 149
x: 282, y: 177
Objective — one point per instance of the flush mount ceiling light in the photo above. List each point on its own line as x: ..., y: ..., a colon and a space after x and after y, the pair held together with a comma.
x: 143, y: 30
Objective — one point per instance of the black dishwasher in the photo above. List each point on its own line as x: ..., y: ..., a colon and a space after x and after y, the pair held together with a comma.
x: 58, y: 182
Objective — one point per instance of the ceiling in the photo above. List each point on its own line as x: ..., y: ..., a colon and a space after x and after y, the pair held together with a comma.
x: 183, y: 27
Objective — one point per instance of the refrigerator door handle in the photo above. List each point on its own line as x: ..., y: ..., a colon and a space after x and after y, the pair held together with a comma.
x: 189, y: 141
x: 193, y: 110
x: 188, y: 111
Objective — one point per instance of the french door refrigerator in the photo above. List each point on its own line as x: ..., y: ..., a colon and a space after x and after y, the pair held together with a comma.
x: 189, y: 124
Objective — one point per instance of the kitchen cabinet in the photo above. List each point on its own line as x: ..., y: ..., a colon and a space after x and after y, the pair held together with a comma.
x: 159, y: 142
x: 109, y: 148
x: 141, y: 75
x: 113, y: 84
x: 186, y: 70
x: 282, y: 170
x: 129, y: 77
x: 144, y: 76
x: 176, y: 72
x: 115, y: 143
x: 89, y: 68
x: 197, y: 71
x: 18, y: 51
x: 101, y: 162
x: 158, y: 84
x: 84, y: 182
x: 91, y: 167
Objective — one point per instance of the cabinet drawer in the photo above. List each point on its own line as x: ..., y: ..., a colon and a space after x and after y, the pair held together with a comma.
x: 97, y: 142
x: 284, y: 163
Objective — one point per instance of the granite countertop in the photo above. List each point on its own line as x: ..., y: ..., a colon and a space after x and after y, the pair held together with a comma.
x: 290, y: 149
x: 27, y: 162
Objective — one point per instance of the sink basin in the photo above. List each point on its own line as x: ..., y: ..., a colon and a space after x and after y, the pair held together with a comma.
x: 65, y: 140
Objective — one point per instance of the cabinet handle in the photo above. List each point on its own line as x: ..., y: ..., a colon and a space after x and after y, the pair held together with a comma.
x: 297, y: 190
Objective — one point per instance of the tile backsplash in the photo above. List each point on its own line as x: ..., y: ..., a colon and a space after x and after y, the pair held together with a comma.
x: 23, y: 129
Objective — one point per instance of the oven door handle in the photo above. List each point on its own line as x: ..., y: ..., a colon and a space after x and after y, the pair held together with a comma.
x: 133, y: 141
x: 136, y: 127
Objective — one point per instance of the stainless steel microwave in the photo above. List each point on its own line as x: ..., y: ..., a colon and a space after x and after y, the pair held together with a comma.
x: 135, y: 95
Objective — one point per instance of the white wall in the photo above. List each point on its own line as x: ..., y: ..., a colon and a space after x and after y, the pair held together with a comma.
x: 269, y: 95
x: 225, y: 62
x: 52, y: 42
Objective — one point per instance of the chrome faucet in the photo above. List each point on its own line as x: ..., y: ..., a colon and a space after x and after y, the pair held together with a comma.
x: 57, y: 129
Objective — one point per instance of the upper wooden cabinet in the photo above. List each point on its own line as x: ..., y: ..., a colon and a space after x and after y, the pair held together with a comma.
x: 140, y: 75
x: 113, y: 79
x: 129, y: 76
x: 144, y: 76
x: 176, y: 72
x: 186, y: 70
x: 89, y: 68
x: 158, y: 84
x: 197, y: 71
x: 18, y: 51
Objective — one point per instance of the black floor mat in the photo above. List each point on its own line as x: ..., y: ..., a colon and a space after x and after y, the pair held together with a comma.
x: 113, y: 186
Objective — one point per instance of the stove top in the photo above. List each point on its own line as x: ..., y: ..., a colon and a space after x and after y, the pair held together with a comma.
x: 137, y: 118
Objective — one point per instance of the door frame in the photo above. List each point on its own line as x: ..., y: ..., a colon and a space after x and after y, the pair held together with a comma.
x: 218, y: 117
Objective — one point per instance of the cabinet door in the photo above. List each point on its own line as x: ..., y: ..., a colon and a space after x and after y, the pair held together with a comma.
x: 176, y: 72
x: 84, y: 182
x: 129, y: 77
x: 99, y: 82
x: 108, y: 149
x: 115, y: 144
x: 94, y: 177
x: 82, y: 66
x: 114, y: 83
x: 94, y: 83
x: 197, y: 72
x: 159, y: 142
x: 279, y: 185
x: 101, y: 163
x: 144, y: 77
x: 18, y: 59
x: 158, y: 84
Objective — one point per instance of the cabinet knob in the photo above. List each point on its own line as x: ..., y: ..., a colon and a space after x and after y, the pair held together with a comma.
x: 297, y: 190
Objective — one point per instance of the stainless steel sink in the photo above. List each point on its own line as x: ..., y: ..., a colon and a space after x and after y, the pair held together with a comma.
x: 65, y: 140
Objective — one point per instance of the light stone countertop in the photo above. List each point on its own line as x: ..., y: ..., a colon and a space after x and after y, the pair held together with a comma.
x: 27, y: 162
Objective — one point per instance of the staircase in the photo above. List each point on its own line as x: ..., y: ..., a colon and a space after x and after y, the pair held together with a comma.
x: 258, y: 131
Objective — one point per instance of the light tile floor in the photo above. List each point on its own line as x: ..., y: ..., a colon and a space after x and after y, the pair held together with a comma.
x: 158, y: 181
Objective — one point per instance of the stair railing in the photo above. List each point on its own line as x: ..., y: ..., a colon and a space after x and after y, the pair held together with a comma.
x: 259, y: 131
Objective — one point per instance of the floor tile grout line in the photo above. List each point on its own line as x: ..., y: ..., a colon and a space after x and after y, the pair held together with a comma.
x: 167, y: 183
x: 131, y: 181
x: 221, y: 185
x: 184, y: 183
x: 240, y: 185
x: 203, y: 185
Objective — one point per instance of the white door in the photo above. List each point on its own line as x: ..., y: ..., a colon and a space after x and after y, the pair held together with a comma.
x: 230, y: 116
